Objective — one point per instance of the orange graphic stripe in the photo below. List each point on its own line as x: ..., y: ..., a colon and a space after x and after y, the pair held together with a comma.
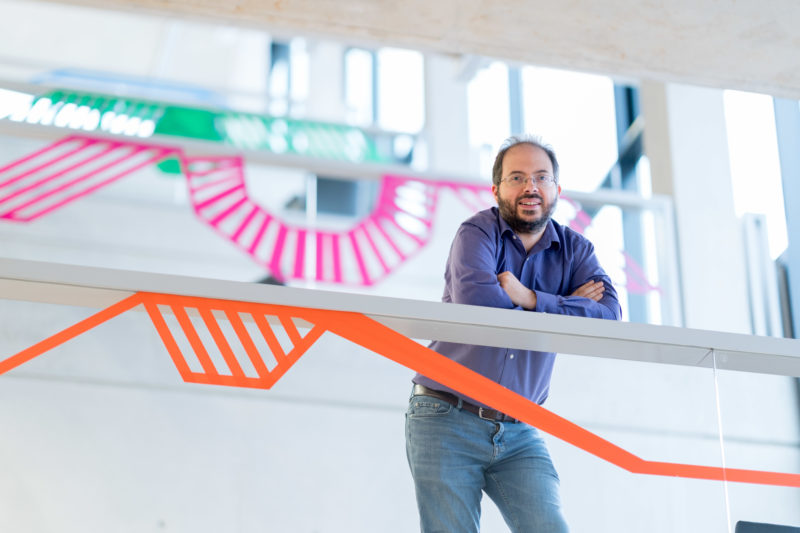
x: 69, y: 333
x: 247, y: 344
x: 194, y: 340
x: 382, y: 340
x: 222, y: 343
x: 167, y: 338
x: 269, y: 336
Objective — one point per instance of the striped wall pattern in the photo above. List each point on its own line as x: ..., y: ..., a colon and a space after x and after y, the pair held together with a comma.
x: 66, y: 170
x: 400, y: 225
x: 216, y: 342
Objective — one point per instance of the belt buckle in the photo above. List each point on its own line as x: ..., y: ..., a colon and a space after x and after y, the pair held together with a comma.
x: 480, y: 414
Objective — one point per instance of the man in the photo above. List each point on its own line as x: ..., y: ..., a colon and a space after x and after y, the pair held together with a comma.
x: 512, y: 256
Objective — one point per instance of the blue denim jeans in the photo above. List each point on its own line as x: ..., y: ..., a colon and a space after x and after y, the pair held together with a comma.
x: 455, y: 456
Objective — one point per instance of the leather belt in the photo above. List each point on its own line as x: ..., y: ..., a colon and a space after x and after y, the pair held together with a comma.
x: 482, y: 412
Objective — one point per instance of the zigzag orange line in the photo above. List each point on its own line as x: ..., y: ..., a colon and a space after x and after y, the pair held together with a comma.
x: 384, y: 341
x: 73, y: 331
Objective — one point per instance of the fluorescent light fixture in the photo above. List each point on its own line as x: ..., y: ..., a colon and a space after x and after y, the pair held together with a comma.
x: 14, y: 104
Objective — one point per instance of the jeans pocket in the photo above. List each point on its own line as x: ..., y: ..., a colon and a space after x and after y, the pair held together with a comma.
x: 425, y: 406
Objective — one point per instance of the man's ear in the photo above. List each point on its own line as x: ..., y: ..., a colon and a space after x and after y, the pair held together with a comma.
x: 495, y: 189
x: 559, y: 190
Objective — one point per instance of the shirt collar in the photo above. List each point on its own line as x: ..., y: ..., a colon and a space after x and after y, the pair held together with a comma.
x: 549, y: 238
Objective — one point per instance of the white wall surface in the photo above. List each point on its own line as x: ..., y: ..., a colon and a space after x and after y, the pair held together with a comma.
x: 686, y: 142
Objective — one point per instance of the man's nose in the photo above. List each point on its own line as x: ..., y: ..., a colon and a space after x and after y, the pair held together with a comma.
x: 530, y: 184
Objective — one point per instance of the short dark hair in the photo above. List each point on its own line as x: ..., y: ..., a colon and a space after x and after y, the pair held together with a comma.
x: 533, y: 140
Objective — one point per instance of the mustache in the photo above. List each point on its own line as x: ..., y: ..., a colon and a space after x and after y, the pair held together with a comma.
x: 528, y: 196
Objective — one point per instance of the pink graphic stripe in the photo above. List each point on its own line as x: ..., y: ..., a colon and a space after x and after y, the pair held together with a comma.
x: 391, y: 242
x: 245, y: 224
x: 51, y: 177
x: 229, y: 171
x: 260, y: 234
x: 337, y: 260
x: 300, y: 255
x: 83, y: 143
x: 93, y: 188
x: 99, y: 185
x: 230, y: 179
x: 217, y: 197
x: 321, y: 238
x: 277, y: 252
x: 374, y: 247
x: 362, y: 267
x: 226, y: 213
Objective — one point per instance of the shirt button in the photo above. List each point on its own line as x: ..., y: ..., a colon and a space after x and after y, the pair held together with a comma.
x: 511, y: 356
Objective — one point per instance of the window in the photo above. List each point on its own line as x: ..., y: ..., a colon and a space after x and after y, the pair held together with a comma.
x: 755, y: 164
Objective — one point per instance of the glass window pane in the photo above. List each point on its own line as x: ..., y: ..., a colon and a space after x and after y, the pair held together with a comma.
x: 299, y: 72
x: 489, y: 122
x: 575, y: 113
x: 755, y: 165
x: 358, y: 86
x: 401, y: 90
x: 760, y: 424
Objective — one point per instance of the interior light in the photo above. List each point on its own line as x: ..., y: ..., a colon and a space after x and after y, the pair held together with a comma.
x: 118, y: 126
x: 78, y: 117
x: 247, y: 134
x: 260, y: 130
x: 132, y: 126
x: 92, y: 120
x: 279, y: 127
x: 39, y: 108
x: 107, y: 120
x: 50, y: 114
x: 278, y: 144
x: 300, y: 142
x: 356, y: 145
x: 64, y: 116
x: 14, y: 104
x: 147, y: 128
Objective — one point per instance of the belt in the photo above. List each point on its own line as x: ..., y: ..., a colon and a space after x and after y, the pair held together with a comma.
x: 482, y: 412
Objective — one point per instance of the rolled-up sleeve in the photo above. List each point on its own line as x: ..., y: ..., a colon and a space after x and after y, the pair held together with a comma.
x: 584, y: 267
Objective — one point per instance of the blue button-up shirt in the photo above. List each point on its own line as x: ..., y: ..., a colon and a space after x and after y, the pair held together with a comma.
x: 556, y: 266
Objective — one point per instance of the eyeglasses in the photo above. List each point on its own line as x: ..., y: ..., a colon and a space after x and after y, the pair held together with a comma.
x: 542, y: 180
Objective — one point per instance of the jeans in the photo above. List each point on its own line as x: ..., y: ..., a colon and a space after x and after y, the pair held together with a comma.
x: 455, y: 456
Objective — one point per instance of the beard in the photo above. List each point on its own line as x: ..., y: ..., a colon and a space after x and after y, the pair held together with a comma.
x: 509, y: 209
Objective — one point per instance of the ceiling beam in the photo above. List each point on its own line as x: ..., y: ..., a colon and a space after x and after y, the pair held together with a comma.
x: 747, y: 44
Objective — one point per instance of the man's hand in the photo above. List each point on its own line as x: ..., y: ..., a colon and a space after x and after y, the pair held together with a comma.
x: 591, y: 289
x: 520, y: 294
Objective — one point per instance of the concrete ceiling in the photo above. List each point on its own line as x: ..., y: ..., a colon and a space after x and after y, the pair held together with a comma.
x: 740, y: 44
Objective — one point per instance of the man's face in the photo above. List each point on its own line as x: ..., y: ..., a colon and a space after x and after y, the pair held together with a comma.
x: 527, y: 207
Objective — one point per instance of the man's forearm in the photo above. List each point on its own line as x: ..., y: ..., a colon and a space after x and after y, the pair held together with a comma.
x: 520, y: 294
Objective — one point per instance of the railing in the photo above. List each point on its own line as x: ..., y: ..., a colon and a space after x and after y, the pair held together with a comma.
x: 243, y: 317
x: 98, y: 287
